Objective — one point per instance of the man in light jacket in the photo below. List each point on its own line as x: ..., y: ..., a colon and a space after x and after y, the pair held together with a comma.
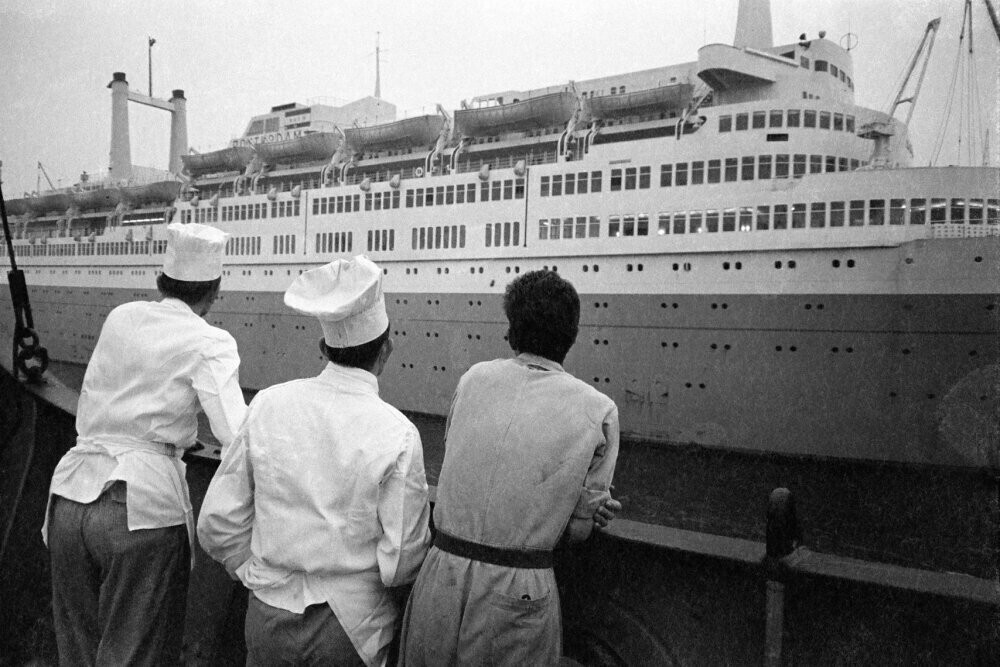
x: 120, y: 524
x: 320, y: 506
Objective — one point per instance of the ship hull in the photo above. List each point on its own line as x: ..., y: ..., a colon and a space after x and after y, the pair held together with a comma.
x: 895, y: 377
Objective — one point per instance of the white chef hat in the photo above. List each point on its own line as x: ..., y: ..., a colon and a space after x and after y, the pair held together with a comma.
x: 194, y: 252
x: 346, y: 296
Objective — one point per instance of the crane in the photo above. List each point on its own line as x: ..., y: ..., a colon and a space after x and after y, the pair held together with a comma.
x: 38, y: 182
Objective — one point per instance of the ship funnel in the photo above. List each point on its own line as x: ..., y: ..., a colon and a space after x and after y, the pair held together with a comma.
x: 178, y: 131
x: 121, y: 150
x: 753, y: 25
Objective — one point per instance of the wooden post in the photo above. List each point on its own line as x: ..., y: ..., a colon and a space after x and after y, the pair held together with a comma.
x: 783, y: 536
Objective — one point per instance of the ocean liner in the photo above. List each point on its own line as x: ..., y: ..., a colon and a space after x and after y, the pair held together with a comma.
x: 760, y: 265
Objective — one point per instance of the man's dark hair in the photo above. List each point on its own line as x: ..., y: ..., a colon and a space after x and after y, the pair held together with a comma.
x: 359, y: 356
x: 543, y: 310
x: 188, y: 291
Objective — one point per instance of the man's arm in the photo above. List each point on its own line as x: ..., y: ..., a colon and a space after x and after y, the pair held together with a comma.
x: 217, y: 383
x: 596, y: 506
x: 226, y: 517
x: 404, y: 514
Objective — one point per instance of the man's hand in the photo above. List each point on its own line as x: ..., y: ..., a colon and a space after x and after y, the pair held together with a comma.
x: 606, y: 512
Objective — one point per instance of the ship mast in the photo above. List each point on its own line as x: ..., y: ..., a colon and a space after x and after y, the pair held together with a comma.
x: 378, y: 65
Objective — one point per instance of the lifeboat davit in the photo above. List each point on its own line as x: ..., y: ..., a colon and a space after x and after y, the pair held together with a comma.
x: 406, y: 133
x: 234, y: 158
x: 663, y: 98
x: 312, y: 146
x: 553, y: 109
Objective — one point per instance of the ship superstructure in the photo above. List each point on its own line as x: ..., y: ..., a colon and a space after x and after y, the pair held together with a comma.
x: 749, y: 277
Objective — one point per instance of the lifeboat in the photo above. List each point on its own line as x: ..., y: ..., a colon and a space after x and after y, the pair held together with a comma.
x: 17, y: 206
x: 234, y: 158
x: 312, y: 146
x: 97, y: 198
x: 160, y: 192
x: 549, y: 110
x: 662, y: 98
x: 57, y: 201
x: 409, y: 132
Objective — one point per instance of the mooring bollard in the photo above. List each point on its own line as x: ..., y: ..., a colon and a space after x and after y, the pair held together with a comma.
x: 783, y: 536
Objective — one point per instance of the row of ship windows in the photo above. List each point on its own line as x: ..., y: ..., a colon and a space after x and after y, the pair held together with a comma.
x: 849, y: 213
x: 853, y: 213
x: 279, y: 209
x: 808, y: 118
x: 419, y: 197
x: 43, y: 249
x: 698, y: 172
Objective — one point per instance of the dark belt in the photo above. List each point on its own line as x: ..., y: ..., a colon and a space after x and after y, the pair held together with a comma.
x: 528, y: 559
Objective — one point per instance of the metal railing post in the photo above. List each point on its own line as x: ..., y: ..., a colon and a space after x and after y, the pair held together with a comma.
x: 783, y: 536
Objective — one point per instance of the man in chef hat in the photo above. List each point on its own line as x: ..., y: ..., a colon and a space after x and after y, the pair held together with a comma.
x: 321, y: 503
x: 120, y: 524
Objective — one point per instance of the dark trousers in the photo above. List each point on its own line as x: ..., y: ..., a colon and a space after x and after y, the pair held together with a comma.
x: 278, y: 637
x: 118, y: 596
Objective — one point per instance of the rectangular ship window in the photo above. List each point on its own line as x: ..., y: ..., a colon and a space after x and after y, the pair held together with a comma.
x: 897, y: 211
x: 975, y: 211
x: 595, y: 226
x: 763, y: 217
x: 781, y: 166
x: 957, y: 211
x: 729, y: 220
x: 712, y: 221
x: 817, y: 215
x: 857, y: 215
x: 681, y: 173
x: 809, y: 118
x: 775, y: 118
x: 628, y: 225
x: 798, y: 216
x: 714, y: 171
x: 742, y: 121
x: 643, y: 178
x: 595, y: 181
x: 725, y: 123
x: 799, y: 165
x: 663, y: 224
x: 642, y: 225
x: 680, y: 222
x: 567, y: 230
x: 518, y: 188
x: 695, y: 225
x: 824, y: 120
x: 747, y: 168
x: 581, y: 226
x: 616, y: 180
x: 508, y: 189
x: 666, y: 175
x: 759, y: 120
x: 918, y: 211
x: 581, y: 183
x: 470, y: 193
x: 746, y: 218
x: 614, y: 226
x: 630, y: 178
x: 780, y: 216
x: 697, y: 172
x: 838, y: 122
x: 543, y: 229
x: 815, y: 164
x: 831, y: 163
x: 794, y: 116
x: 570, y: 184
x: 764, y: 167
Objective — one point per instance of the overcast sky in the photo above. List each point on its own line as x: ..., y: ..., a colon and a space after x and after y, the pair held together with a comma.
x: 237, y: 58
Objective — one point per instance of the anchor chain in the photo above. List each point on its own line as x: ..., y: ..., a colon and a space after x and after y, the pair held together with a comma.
x: 28, y: 356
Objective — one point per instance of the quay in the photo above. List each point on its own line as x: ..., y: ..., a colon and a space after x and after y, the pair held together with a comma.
x: 718, y: 586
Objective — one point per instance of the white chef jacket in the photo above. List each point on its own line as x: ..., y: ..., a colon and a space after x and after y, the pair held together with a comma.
x: 153, y: 364
x: 322, y: 498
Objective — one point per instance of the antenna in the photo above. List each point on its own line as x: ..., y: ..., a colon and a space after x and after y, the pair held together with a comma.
x: 149, y: 60
x: 378, y: 67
